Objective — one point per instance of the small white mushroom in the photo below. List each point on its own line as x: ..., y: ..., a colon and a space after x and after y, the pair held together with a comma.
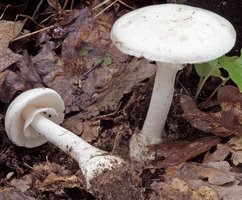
x: 32, y: 119
x: 172, y: 35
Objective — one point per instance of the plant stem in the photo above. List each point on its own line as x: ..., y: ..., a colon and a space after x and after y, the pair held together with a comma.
x: 202, y: 82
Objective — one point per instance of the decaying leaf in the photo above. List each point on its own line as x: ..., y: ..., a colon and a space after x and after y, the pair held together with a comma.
x: 164, y: 191
x: 224, y: 123
x: 125, y: 82
x: 235, y: 144
x: 10, y: 83
x: 222, y: 182
x: 8, y: 31
x: 205, y: 192
x: 78, y: 32
x: 55, y: 178
x: 87, y: 129
x: 178, y: 152
x: 22, y: 184
x: 13, y: 194
x: 221, y: 152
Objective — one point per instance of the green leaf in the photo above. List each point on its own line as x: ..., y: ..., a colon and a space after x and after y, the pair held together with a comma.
x: 98, y: 61
x: 85, y: 50
x: 209, y: 68
x: 233, y: 65
x: 107, y: 60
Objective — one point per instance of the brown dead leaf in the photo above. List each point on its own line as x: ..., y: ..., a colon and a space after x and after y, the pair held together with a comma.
x: 233, y: 147
x: 195, y: 171
x: 219, y: 154
x: 46, y: 52
x: 10, y: 83
x: 216, y: 176
x: 166, y: 191
x: 28, y: 72
x: 135, y: 73
x: 78, y: 32
x: 22, y: 184
x: 224, y: 123
x: 87, y: 129
x: 13, y: 194
x: 236, y: 143
x: 55, y: 178
x: 66, y: 87
x: 8, y: 31
x: 178, y: 152
x: 205, y: 192
x: 200, y: 176
x: 57, y: 184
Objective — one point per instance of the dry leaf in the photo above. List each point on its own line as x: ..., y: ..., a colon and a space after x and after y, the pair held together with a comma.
x: 205, y: 192
x: 219, y: 154
x: 220, y: 181
x: 10, y: 83
x: 224, y: 123
x: 124, y: 83
x: 13, y: 194
x: 22, y: 184
x: 78, y: 32
x: 178, y: 152
x: 8, y: 31
x: 165, y: 191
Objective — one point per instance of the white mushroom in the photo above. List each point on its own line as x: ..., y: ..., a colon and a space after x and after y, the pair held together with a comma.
x: 171, y: 35
x: 32, y: 119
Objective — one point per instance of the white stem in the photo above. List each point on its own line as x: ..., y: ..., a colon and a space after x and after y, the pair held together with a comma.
x: 92, y: 161
x: 160, y: 101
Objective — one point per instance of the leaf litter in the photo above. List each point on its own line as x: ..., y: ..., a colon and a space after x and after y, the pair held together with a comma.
x: 103, y: 90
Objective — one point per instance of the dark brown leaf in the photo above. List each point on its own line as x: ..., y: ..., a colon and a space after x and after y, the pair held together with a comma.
x: 8, y: 31
x: 135, y: 73
x: 10, y: 83
x: 224, y: 123
x: 13, y: 194
x: 78, y: 32
x: 178, y: 152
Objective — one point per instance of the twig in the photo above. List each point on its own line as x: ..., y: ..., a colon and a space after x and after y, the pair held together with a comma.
x: 37, y: 8
x: 33, y: 33
x: 4, y: 11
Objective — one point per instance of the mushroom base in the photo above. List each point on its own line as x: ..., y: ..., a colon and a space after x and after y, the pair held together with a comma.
x: 119, y: 183
x: 138, y: 148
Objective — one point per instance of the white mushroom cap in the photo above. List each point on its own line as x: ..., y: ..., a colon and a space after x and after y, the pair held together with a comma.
x: 47, y: 101
x: 173, y: 33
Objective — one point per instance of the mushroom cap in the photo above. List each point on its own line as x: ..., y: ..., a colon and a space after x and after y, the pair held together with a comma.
x: 173, y: 33
x: 46, y: 101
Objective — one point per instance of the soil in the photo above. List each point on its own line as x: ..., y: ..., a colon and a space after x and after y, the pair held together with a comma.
x: 20, y: 161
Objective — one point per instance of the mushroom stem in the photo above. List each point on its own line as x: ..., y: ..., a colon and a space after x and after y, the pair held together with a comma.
x: 100, y: 169
x: 64, y: 139
x: 71, y: 144
x: 160, y: 101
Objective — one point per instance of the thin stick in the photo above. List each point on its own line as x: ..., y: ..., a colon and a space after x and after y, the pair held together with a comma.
x: 99, y: 5
x: 132, y: 8
x: 213, y: 93
x: 105, y: 9
x: 201, y: 84
x: 37, y: 8
x: 47, y: 18
x: 33, y: 33
x: 4, y: 11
